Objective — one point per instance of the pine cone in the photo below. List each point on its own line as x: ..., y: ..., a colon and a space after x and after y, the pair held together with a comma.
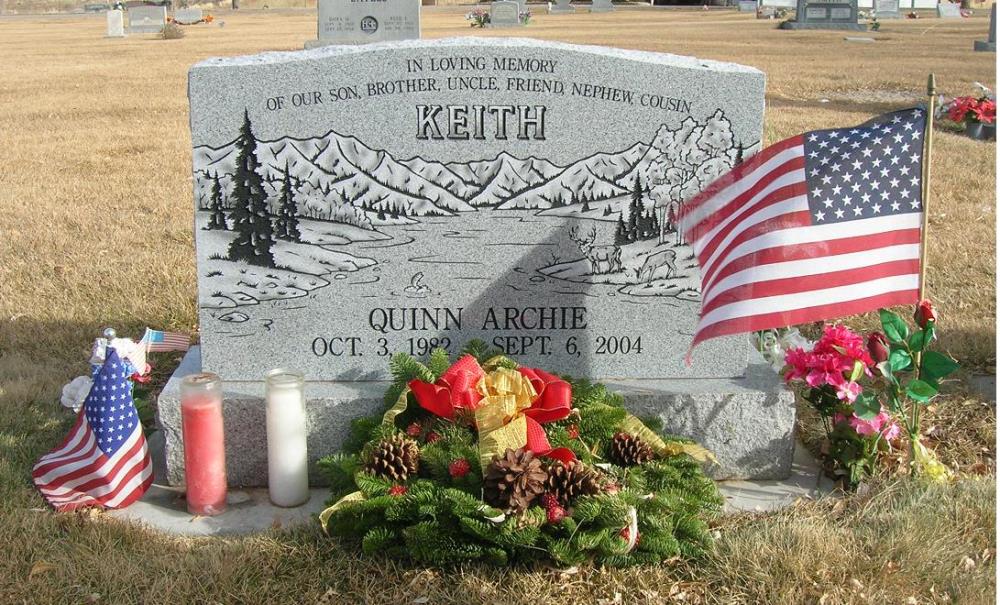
x: 394, y: 459
x: 627, y: 450
x: 567, y: 482
x: 514, y: 480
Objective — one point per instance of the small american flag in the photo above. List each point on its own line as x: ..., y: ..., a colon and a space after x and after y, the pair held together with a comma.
x: 820, y: 225
x: 165, y: 341
x: 104, y: 460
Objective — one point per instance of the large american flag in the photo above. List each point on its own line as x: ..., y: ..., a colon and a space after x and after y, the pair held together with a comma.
x: 104, y: 460
x: 820, y: 225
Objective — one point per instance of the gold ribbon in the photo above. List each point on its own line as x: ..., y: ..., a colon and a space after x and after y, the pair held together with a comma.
x: 502, y: 426
x: 397, y: 408
x: 351, y: 498
x: 636, y: 428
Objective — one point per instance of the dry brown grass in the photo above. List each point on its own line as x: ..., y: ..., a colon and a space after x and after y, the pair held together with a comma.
x: 95, y: 229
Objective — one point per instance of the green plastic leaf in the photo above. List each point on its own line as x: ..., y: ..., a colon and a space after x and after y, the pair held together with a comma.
x: 866, y: 406
x: 936, y: 365
x: 921, y: 391
x: 899, y: 359
x: 894, y: 327
x: 921, y: 338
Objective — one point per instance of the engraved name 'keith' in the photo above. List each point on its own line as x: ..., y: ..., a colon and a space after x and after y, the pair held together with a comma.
x: 463, y: 122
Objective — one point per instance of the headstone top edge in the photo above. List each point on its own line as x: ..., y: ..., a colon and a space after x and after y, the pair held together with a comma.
x: 666, y: 59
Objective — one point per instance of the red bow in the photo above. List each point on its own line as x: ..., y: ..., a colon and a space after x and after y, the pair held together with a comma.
x: 554, y: 401
x: 455, y: 389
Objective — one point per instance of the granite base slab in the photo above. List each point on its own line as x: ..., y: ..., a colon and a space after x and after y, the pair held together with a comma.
x: 249, y: 511
x: 984, y: 46
x: 845, y: 26
x: 747, y: 422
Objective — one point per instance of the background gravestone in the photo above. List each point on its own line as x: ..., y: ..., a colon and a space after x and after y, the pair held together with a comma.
x: 601, y: 6
x: 505, y: 13
x: 748, y: 6
x: 116, y: 24
x: 517, y: 191
x: 990, y: 44
x: 886, y: 9
x: 947, y: 10
x: 350, y: 22
x: 826, y: 14
x: 561, y: 6
x: 146, y: 19
x: 187, y: 16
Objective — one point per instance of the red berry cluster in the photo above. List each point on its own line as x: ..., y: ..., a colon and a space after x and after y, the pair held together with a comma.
x: 398, y: 490
x: 554, y: 512
x: 415, y: 429
x: 459, y: 468
x: 573, y: 431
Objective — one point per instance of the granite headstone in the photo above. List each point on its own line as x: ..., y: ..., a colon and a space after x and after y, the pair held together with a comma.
x: 949, y: 10
x: 187, y: 16
x: 146, y: 19
x: 826, y: 14
x: 505, y: 13
x: 561, y: 6
x: 990, y: 44
x: 366, y: 21
x: 420, y: 194
x: 116, y: 23
x: 886, y: 9
x: 601, y: 6
x: 748, y: 6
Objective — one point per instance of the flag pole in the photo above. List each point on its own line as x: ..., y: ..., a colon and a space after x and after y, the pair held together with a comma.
x: 925, y: 181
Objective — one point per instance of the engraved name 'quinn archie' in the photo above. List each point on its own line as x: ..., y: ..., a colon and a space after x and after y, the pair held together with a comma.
x: 464, y: 122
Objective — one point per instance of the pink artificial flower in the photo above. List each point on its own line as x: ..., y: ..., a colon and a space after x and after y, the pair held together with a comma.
x: 891, y: 430
x: 831, y: 362
x: 848, y: 391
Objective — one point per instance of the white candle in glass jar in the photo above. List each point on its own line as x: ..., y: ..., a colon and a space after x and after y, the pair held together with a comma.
x: 287, y: 462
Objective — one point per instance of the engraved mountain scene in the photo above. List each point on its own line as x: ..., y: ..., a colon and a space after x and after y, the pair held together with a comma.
x: 281, y: 219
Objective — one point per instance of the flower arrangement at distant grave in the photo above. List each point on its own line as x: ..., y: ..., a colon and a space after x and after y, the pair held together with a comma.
x: 479, y: 17
x: 485, y: 460
x: 977, y: 114
x: 524, y: 16
x: 869, y: 391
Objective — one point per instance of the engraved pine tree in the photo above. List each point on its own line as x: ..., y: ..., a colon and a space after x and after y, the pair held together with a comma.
x: 251, y: 219
x: 217, y: 220
x: 287, y: 225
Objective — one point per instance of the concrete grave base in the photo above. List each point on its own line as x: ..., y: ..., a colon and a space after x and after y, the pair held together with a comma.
x: 746, y: 422
x: 848, y: 26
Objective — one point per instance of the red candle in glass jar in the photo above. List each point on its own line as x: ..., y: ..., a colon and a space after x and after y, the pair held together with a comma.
x: 204, y: 444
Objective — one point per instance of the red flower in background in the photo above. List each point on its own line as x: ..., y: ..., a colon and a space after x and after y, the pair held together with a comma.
x: 986, y: 111
x: 960, y: 107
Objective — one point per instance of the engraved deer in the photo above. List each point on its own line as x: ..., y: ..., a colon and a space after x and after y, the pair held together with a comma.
x: 659, y: 265
x: 603, y: 259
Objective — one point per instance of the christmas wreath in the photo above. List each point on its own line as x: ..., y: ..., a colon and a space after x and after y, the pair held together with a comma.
x: 485, y: 460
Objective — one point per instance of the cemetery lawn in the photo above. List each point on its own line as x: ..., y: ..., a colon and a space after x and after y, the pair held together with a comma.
x: 96, y: 225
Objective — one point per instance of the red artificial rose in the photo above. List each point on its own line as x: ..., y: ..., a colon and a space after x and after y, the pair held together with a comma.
x: 878, y: 347
x: 414, y: 429
x: 925, y: 313
x: 432, y: 437
x: 455, y: 389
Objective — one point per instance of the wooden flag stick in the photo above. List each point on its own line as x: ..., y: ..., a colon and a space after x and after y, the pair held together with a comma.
x: 925, y: 181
